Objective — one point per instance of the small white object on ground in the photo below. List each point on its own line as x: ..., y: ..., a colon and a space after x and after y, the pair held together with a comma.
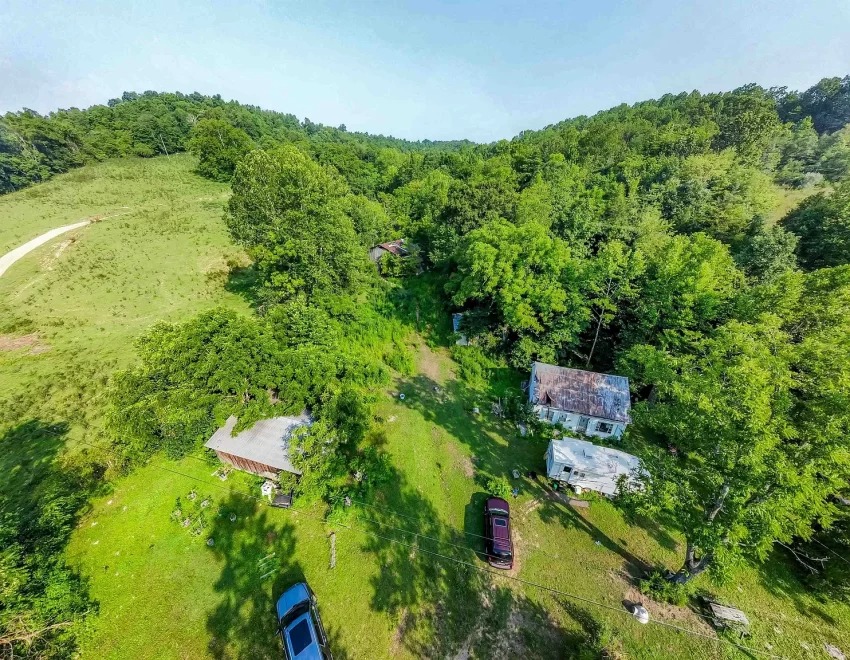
x: 516, y: 474
x: 401, y: 396
x: 210, y: 542
x: 267, y: 489
x: 333, y: 549
x: 640, y: 613
x: 834, y: 651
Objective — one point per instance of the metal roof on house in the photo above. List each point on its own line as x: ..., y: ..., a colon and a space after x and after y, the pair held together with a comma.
x: 583, y: 392
x: 266, y: 442
x: 396, y: 247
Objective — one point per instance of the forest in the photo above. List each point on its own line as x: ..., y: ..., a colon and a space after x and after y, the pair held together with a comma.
x: 640, y: 241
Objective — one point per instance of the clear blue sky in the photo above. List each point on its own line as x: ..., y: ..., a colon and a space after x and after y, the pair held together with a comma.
x: 415, y: 69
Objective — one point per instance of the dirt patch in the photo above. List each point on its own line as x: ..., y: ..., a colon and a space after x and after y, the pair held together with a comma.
x: 407, y: 620
x: 50, y: 260
x: 664, y: 611
x: 432, y: 364
x: 31, y: 343
x: 461, y: 461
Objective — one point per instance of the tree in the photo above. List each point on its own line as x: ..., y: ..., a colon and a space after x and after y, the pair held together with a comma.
x: 611, y: 276
x: 822, y: 223
x: 748, y: 121
x: 767, y: 253
x: 716, y: 194
x: 687, y: 285
x: 723, y: 407
x: 529, y: 280
x: 219, y: 147
x: 290, y: 214
x: 827, y: 103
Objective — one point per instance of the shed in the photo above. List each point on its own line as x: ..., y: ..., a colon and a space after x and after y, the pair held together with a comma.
x: 262, y: 449
x: 462, y: 339
x: 397, y: 247
x: 585, y: 401
x: 582, y: 464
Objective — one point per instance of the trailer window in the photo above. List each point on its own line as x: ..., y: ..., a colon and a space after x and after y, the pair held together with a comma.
x: 604, y: 427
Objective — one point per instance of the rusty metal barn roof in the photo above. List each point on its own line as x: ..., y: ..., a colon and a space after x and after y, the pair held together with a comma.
x: 396, y: 247
x: 583, y: 392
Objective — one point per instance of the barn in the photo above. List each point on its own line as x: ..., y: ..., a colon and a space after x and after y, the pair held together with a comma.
x: 262, y: 449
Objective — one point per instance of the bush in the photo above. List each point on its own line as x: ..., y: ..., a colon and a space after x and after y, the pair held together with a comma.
x: 474, y: 367
x: 659, y: 588
x: 499, y: 487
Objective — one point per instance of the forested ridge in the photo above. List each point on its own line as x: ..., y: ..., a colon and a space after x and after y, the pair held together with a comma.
x: 638, y: 241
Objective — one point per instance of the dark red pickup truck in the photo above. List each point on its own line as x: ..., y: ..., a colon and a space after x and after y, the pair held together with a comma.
x: 497, y: 533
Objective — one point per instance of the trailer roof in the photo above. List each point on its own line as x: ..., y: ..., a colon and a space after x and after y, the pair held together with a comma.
x: 594, y: 459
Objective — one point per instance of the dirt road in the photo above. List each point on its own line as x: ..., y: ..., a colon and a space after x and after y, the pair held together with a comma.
x: 10, y: 258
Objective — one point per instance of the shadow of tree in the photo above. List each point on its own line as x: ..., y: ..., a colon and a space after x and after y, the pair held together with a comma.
x: 781, y: 578
x: 41, y: 502
x: 258, y: 567
x: 246, y: 283
x: 513, y: 625
x: 435, y: 600
x: 556, y: 508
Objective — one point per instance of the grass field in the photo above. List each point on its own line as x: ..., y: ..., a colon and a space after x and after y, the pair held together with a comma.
x: 407, y: 580
x: 80, y: 301
x: 164, y: 593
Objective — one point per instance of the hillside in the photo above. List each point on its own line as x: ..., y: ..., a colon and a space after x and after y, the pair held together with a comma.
x: 160, y: 253
x: 695, y: 244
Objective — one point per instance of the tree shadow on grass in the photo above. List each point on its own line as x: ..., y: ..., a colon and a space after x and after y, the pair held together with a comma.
x: 258, y: 567
x: 780, y: 577
x: 435, y: 600
x: 451, y: 605
x: 41, y: 502
x: 246, y: 283
x: 555, y: 508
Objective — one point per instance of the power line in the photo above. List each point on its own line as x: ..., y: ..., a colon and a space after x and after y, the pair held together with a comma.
x: 482, y: 568
x: 324, y: 521
x: 844, y: 559
x: 800, y: 624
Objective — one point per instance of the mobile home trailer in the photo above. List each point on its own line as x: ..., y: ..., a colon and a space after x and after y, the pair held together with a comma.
x: 583, y: 465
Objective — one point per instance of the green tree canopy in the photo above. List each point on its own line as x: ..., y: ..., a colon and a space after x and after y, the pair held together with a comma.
x: 290, y: 213
x: 219, y: 147
x: 822, y: 223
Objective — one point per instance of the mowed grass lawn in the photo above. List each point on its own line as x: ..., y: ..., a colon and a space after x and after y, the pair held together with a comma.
x: 395, y: 590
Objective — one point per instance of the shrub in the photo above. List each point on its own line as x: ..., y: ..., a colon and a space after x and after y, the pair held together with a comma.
x: 659, y: 588
x: 474, y: 366
x: 499, y: 487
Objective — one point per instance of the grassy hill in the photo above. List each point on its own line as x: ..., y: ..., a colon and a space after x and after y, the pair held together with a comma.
x: 407, y: 579
x: 81, y: 300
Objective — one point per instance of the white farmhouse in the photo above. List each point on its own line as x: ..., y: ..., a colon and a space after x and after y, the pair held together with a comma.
x: 583, y: 401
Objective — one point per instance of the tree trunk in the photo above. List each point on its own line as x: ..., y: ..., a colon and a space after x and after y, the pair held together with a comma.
x: 595, y: 339
x: 691, y: 567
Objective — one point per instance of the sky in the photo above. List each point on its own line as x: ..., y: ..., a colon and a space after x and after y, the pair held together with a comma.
x: 415, y: 69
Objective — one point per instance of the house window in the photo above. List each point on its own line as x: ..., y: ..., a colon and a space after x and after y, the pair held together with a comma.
x: 550, y: 414
x: 604, y: 427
